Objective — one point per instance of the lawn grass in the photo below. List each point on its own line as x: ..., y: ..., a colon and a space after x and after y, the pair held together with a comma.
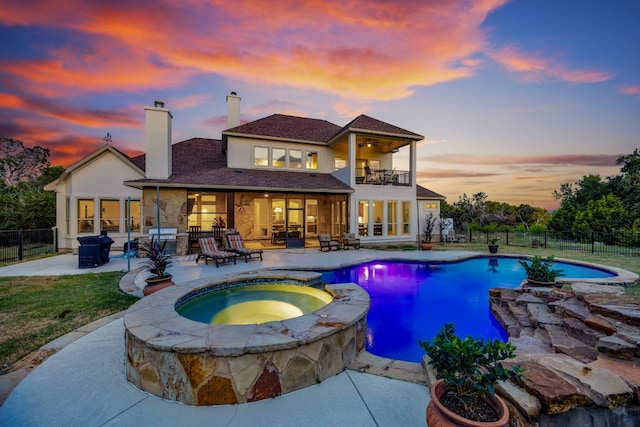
x: 35, y: 310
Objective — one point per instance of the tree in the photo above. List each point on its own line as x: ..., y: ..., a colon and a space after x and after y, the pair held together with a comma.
x: 19, y: 163
x: 25, y: 172
x: 604, y: 216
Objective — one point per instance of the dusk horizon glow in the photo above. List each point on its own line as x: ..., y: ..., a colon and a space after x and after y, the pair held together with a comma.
x: 514, y: 98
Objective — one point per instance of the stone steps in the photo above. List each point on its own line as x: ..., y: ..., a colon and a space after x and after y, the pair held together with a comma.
x: 581, y: 349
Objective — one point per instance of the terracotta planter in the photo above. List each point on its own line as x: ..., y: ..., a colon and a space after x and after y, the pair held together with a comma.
x: 539, y: 283
x: 426, y: 246
x: 439, y: 416
x: 493, y: 249
x: 156, y: 284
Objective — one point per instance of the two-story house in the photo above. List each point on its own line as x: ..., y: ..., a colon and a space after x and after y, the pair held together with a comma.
x: 279, y: 181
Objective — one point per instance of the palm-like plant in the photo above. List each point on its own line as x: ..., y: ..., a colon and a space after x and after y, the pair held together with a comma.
x: 158, y: 260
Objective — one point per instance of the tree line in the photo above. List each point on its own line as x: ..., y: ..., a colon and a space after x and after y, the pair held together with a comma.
x: 609, y: 207
x: 24, y: 172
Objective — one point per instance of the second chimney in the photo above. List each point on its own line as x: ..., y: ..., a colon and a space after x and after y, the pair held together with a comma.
x: 158, y: 141
x: 233, y: 110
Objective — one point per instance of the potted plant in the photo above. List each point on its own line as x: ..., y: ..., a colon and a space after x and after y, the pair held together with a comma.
x: 540, y: 271
x: 467, y: 371
x: 493, y: 245
x: 157, y: 263
x: 427, y: 233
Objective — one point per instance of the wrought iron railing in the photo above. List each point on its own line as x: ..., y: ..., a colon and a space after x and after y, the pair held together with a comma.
x: 368, y: 176
x: 16, y: 245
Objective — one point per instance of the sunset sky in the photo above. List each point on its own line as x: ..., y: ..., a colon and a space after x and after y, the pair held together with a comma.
x: 513, y: 97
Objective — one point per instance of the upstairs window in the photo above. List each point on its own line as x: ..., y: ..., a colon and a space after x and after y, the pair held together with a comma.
x: 339, y: 163
x: 312, y: 160
x: 279, y: 157
x: 260, y: 156
x: 295, y: 159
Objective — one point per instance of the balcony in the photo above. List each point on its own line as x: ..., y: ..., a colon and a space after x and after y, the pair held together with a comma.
x: 394, y: 177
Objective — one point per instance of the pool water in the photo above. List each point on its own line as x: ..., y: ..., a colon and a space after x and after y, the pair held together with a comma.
x: 249, y: 304
x: 410, y: 301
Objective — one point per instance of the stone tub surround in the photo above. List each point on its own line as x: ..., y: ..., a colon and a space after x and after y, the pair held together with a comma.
x: 200, y: 364
x: 581, y: 352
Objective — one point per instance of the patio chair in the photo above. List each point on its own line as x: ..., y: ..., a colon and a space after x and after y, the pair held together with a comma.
x: 236, y: 245
x: 350, y: 240
x: 327, y: 243
x: 209, y: 251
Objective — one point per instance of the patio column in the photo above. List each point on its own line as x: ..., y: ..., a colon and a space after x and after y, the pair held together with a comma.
x: 352, y: 213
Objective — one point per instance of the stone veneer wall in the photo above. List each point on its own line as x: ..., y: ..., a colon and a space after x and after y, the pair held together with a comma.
x: 204, y: 379
x: 173, y: 212
x: 200, y: 364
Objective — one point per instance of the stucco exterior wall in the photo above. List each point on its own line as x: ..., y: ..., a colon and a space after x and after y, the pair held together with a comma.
x: 100, y: 178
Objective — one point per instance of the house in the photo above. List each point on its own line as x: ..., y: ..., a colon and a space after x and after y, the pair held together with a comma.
x: 279, y: 181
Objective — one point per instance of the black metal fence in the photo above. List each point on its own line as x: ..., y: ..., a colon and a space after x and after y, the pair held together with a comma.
x: 16, y: 245
x: 619, y: 242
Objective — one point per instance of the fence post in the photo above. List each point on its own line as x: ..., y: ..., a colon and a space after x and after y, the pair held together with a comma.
x: 20, y: 237
x: 545, y: 239
x: 593, y: 242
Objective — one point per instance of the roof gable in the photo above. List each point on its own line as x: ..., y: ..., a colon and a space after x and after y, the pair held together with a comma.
x: 369, y: 124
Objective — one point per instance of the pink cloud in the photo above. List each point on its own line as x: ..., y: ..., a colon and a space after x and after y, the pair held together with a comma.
x: 628, y: 89
x: 564, y: 159
x: 368, y: 50
x: 535, y: 68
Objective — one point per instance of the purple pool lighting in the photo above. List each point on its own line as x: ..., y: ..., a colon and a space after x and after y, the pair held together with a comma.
x: 411, y: 301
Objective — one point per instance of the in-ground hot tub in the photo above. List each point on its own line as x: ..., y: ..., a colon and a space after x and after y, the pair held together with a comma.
x: 210, y: 364
x: 251, y: 303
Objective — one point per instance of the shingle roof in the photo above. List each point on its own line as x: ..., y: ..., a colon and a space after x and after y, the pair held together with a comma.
x: 288, y: 127
x: 425, y: 193
x: 200, y: 162
x: 369, y: 123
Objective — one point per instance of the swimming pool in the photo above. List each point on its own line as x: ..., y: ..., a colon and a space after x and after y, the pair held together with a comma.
x: 412, y: 300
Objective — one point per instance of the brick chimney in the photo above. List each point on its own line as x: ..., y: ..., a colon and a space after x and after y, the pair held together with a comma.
x: 233, y: 110
x: 158, y: 141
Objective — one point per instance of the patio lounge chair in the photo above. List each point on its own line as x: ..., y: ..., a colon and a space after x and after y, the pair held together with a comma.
x: 209, y: 251
x: 350, y: 240
x: 327, y: 243
x: 236, y: 245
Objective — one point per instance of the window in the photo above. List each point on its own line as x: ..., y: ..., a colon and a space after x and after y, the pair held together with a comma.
x: 279, y: 157
x: 312, y: 160
x: 339, y: 163
x: 133, y: 217
x: 392, y: 217
x: 67, y: 215
x: 406, y: 218
x: 374, y: 164
x: 110, y: 215
x: 85, y: 215
x: 430, y: 205
x: 295, y: 159
x: 206, y: 209
x: 363, y: 218
x: 378, y: 215
x: 260, y: 156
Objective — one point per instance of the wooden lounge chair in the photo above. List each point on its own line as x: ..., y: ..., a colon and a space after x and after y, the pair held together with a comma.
x: 236, y: 245
x: 327, y: 243
x: 350, y: 240
x: 209, y: 251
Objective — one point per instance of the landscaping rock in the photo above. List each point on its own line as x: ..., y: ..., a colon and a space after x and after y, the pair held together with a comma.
x: 506, y: 319
x: 555, y: 393
x: 541, y: 315
x: 601, y: 324
x: 618, y: 307
x: 526, y: 298
x: 629, y: 371
x: 563, y: 343
x: 571, y: 307
x: 581, y: 289
x: 605, y: 388
x: 578, y: 330
x: 615, y: 346
x: 520, y: 399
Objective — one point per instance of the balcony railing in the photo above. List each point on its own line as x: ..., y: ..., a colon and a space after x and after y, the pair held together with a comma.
x: 383, y: 177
